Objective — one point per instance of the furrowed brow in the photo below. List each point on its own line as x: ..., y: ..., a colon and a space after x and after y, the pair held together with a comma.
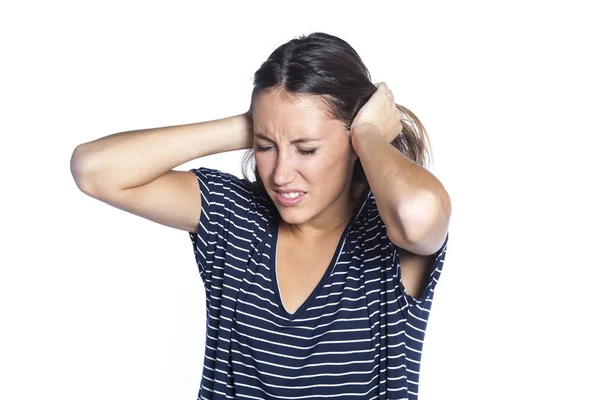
x: 299, y: 140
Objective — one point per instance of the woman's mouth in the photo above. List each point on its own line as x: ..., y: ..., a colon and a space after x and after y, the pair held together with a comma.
x: 289, y: 199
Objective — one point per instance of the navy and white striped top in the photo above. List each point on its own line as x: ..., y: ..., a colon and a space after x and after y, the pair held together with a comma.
x: 358, y: 335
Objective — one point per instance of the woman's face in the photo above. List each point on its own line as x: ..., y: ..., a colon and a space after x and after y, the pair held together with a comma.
x: 297, y: 146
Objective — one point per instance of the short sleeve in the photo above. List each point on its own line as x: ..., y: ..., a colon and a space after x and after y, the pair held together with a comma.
x: 226, y: 224
x: 433, y: 274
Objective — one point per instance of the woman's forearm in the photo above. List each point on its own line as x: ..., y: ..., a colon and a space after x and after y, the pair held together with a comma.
x: 411, y: 201
x: 133, y: 158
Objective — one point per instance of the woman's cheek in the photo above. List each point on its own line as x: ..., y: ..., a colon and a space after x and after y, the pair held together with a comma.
x: 265, y: 163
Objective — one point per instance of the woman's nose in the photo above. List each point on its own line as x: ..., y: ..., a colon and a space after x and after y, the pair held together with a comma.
x: 284, y: 170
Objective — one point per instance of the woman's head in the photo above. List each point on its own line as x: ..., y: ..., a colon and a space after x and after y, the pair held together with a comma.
x: 300, y: 148
x: 313, y: 86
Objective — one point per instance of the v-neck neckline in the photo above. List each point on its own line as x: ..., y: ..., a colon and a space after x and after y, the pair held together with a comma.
x: 274, y: 240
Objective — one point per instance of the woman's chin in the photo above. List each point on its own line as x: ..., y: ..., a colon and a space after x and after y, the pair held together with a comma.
x: 291, y: 215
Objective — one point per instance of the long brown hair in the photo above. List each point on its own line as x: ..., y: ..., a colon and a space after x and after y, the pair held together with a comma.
x: 325, y: 65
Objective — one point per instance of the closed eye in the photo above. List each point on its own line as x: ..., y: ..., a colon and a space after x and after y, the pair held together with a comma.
x: 303, y: 152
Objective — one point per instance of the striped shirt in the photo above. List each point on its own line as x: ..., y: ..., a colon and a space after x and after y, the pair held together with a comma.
x: 358, y: 335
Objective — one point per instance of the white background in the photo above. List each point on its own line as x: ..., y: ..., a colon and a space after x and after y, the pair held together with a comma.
x: 96, y: 303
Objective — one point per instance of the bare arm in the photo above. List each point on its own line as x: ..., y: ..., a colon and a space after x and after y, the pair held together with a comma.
x: 131, y: 159
x: 133, y: 170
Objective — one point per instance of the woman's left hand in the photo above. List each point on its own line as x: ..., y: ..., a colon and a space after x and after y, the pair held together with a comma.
x: 379, y: 111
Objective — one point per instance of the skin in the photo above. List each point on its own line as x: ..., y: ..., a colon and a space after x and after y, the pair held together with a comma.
x: 325, y: 176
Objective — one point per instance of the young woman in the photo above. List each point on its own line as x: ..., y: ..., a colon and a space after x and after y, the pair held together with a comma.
x: 320, y: 274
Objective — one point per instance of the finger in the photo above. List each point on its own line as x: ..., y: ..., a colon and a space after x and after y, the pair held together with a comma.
x: 398, y: 115
x: 390, y: 95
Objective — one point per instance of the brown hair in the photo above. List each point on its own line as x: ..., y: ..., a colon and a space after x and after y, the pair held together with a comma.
x: 325, y: 65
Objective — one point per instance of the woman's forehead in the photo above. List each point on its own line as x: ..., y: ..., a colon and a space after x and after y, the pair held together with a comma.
x: 271, y: 104
x: 274, y: 115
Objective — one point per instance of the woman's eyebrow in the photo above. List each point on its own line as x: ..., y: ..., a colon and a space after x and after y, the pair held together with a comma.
x: 299, y: 140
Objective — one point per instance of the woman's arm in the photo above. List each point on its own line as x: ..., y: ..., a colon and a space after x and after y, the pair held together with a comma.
x: 130, y: 159
x: 411, y: 201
